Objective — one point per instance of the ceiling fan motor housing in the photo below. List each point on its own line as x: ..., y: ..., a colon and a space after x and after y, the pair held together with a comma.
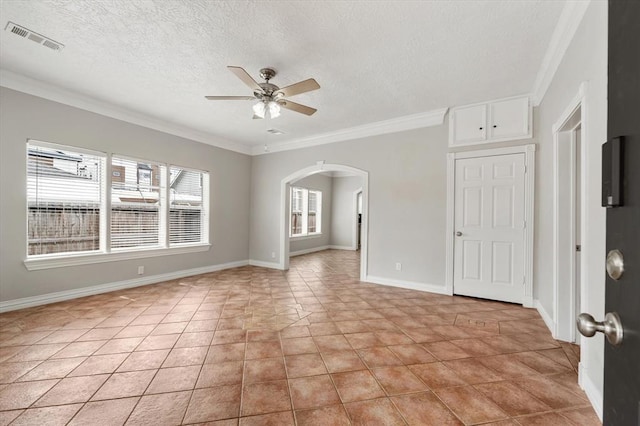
x: 267, y: 73
x: 268, y: 90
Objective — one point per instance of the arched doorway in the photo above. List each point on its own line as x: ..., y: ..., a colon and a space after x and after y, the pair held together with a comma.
x: 321, y: 167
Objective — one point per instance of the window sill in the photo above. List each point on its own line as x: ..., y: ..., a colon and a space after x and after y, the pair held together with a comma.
x: 37, y: 263
x: 306, y: 237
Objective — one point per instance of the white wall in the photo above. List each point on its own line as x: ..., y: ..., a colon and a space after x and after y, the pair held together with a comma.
x: 585, y: 60
x: 23, y: 116
x: 343, y: 214
x: 308, y: 244
x: 407, y: 196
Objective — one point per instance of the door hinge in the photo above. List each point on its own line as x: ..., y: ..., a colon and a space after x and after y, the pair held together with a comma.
x: 578, y: 247
x: 524, y: 281
x: 524, y: 224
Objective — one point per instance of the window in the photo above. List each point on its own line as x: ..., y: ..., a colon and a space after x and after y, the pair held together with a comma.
x: 135, y: 205
x: 306, y: 210
x: 149, y: 205
x: 64, y: 199
x: 186, y: 213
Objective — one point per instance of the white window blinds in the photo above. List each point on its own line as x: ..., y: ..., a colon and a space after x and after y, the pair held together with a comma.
x: 135, y: 203
x: 186, y: 205
x: 63, y: 199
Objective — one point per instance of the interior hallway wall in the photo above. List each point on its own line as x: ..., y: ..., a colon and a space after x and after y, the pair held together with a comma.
x: 584, y: 61
x: 343, y: 213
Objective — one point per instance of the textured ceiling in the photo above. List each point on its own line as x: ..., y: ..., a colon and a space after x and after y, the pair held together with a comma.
x: 375, y: 60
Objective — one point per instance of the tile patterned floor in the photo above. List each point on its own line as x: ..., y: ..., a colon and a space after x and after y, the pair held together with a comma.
x: 312, y: 346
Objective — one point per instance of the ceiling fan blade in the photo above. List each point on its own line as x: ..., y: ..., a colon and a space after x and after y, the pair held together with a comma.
x: 245, y: 77
x: 302, y: 109
x: 299, y: 87
x: 230, y: 98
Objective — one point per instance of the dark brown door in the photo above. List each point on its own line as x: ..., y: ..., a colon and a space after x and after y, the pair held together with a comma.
x: 622, y: 363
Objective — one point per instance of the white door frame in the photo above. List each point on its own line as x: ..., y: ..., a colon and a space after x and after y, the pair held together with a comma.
x: 321, y: 167
x: 564, y: 328
x: 354, y: 244
x: 529, y: 177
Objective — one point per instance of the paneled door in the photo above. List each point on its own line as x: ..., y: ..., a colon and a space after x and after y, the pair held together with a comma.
x: 489, y: 227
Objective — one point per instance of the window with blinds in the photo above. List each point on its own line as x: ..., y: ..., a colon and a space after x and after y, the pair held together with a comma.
x: 186, y: 205
x: 313, y: 221
x: 135, y: 203
x: 306, y: 209
x: 296, y: 210
x: 150, y: 205
x: 63, y: 199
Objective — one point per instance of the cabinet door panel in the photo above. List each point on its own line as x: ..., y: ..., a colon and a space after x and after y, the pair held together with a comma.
x: 509, y: 118
x: 470, y: 124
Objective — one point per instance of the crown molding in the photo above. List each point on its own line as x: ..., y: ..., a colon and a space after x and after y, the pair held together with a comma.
x: 407, y: 122
x: 44, y: 90
x: 566, y: 28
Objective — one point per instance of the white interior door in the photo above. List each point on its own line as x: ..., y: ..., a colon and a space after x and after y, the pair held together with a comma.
x: 489, y: 226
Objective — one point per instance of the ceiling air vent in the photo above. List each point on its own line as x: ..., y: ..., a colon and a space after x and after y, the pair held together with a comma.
x: 275, y: 132
x: 38, y: 38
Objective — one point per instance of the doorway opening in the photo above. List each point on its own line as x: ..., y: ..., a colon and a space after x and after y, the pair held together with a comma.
x: 569, y: 178
x: 362, y: 227
x: 357, y: 223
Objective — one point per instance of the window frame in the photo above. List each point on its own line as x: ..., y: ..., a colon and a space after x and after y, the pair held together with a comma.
x: 305, y: 234
x: 106, y: 253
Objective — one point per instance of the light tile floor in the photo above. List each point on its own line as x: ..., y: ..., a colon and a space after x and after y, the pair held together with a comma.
x: 312, y: 346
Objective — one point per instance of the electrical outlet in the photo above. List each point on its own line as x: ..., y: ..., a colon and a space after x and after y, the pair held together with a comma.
x: 398, y: 266
x: 273, y: 254
x: 140, y: 270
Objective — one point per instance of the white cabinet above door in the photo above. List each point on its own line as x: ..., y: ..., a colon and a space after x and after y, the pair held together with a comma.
x: 470, y: 124
x: 494, y: 121
x: 509, y: 118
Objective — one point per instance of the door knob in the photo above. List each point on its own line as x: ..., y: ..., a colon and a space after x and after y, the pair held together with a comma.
x: 611, y: 327
x: 458, y: 234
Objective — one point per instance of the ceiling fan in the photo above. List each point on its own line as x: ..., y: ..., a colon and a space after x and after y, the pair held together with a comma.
x: 270, y: 97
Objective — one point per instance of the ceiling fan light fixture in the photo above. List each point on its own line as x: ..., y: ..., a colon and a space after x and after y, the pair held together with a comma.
x: 259, y: 109
x: 266, y: 109
x: 274, y: 109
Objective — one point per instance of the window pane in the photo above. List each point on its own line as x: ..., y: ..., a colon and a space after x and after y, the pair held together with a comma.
x: 313, y: 201
x: 296, y: 199
x: 185, y: 210
x: 135, y: 203
x: 296, y: 223
x: 315, y: 210
x: 296, y: 210
x: 63, y: 197
x: 311, y: 222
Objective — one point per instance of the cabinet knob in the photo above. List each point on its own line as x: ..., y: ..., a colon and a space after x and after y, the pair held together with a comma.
x: 480, y: 128
x: 495, y: 125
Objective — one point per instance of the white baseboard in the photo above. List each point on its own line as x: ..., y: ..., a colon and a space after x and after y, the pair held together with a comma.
x: 263, y: 264
x: 411, y: 285
x: 307, y: 251
x: 351, y: 248
x: 593, y: 393
x: 548, y: 319
x: 320, y: 248
x: 28, y: 302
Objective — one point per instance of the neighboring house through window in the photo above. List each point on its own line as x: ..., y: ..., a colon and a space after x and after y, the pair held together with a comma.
x: 306, y: 211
